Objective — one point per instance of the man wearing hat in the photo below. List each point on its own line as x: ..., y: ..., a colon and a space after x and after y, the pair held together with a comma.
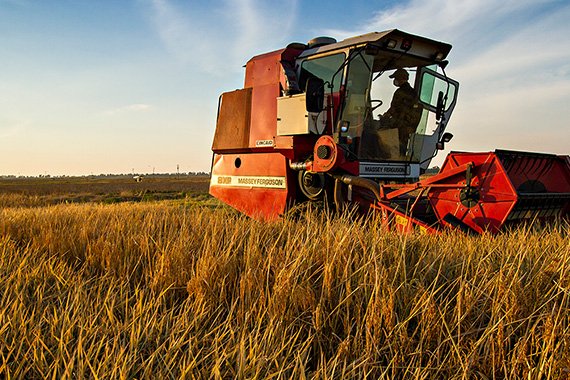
x: 405, y: 111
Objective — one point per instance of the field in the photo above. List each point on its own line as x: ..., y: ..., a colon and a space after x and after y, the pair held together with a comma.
x: 50, y: 191
x: 121, y: 280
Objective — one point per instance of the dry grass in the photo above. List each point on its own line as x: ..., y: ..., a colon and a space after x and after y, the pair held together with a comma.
x: 157, y: 290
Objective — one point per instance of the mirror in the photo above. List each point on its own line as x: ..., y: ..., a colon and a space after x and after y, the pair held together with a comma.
x: 444, y: 139
x: 315, y: 94
x: 440, y: 106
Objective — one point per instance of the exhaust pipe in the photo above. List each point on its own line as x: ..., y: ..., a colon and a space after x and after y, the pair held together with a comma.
x: 298, y: 166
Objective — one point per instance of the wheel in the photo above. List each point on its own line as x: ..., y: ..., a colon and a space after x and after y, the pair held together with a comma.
x: 313, y: 185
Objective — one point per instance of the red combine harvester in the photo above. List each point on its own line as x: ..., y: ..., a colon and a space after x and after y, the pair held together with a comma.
x: 356, y: 123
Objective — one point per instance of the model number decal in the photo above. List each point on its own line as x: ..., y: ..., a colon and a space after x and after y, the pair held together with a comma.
x: 249, y: 181
x: 264, y: 143
x: 223, y: 180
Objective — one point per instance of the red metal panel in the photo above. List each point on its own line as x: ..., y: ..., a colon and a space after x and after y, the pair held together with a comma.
x: 553, y: 173
x: 295, y: 147
x: 264, y: 113
x: 253, y: 196
x: 263, y: 69
x: 497, y: 195
x: 263, y: 73
x: 232, y: 126
x: 392, y: 218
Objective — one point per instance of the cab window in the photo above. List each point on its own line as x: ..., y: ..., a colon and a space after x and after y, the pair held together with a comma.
x: 323, y: 68
x: 390, y: 128
x: 356, y: 109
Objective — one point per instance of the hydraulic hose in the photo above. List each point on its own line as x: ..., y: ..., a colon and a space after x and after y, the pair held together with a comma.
x: 359, y: 182
x: 338, y: 198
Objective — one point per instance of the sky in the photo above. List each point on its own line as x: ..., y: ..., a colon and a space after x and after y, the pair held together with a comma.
x: 107, y: 86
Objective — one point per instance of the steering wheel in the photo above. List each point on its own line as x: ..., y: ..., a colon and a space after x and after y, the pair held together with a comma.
x: 376, y: 106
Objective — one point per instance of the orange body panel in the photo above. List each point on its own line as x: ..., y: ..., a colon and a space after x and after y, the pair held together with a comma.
x: 264, y: 114
x: 257, y: 184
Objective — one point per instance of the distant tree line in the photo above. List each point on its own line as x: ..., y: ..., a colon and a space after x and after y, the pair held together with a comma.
x: 130, y: 175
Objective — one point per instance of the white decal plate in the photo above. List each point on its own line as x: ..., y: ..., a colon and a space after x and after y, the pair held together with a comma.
x: 264, y: 143
x: 249, y: 181
x: 389, y: 170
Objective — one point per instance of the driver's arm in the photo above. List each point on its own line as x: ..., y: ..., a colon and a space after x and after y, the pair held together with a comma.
x: 395, y: 105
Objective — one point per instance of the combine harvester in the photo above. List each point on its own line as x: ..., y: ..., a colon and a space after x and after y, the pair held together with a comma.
x: 322, y: 121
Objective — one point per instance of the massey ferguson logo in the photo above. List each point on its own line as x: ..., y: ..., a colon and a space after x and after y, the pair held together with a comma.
x: 380, y: 169
x: 389, y: 170
x: 249, y: 181
x: 261, y: 182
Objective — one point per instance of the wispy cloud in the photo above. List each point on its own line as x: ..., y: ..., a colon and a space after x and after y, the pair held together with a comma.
x: 512, y: 59
x: 9, y: 128
x: 222, y: 38
x: 451, y: 20
x: 130, y: 108
x: 539, y: 52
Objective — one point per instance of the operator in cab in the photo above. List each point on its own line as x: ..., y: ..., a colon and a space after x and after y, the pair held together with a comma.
x: 405, y: 111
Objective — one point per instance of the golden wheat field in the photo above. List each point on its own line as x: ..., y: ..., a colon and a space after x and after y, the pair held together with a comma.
x: 189, y: 289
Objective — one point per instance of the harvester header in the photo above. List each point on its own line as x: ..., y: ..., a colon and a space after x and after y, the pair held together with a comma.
x: 356, y: 123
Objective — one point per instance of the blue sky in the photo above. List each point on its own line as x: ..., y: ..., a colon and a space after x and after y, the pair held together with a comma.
x: 116, y: 86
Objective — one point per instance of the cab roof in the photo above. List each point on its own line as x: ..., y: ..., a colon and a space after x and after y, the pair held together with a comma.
x: 394, y: 41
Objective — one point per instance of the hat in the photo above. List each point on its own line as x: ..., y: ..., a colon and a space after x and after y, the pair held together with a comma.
x: 400, y: 74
